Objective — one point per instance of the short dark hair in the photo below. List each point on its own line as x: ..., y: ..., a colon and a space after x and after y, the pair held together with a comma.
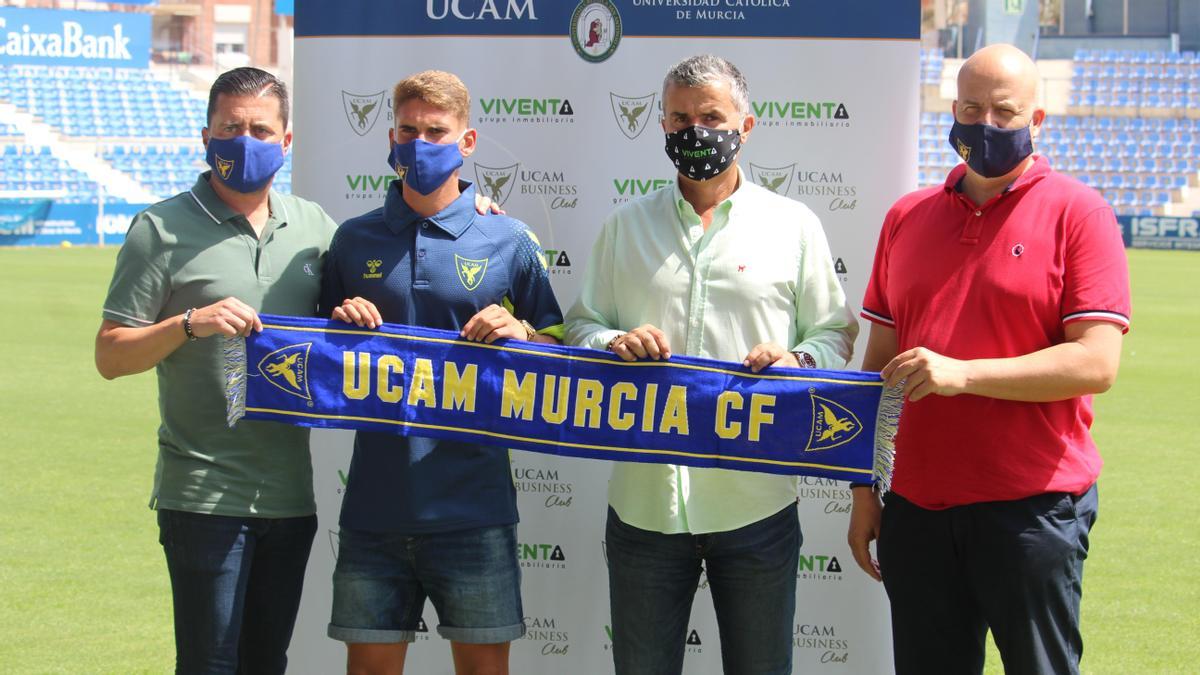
x: 248, y: 81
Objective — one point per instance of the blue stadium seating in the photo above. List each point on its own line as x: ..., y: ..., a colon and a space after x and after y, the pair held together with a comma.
x: 1135, y: 140
x: 129, y: 111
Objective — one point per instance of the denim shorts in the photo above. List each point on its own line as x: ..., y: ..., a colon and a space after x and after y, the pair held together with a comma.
x: 382, y: 579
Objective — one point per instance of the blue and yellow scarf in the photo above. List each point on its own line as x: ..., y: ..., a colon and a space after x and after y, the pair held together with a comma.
x: 567, y: 401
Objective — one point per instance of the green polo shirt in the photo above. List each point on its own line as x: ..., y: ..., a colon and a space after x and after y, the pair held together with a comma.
x: 190, y: 251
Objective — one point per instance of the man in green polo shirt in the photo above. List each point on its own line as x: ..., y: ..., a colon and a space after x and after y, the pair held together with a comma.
x: 236, y: 512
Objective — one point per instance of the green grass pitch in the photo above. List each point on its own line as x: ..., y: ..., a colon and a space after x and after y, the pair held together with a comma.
x: 83, y: 582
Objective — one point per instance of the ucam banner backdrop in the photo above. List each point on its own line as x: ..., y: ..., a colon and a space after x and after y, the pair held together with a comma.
x: 567, y: 96
x: 51, y: 37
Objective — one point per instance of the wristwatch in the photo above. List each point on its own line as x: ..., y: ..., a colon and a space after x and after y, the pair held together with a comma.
x: 530, y: 331
x: 805, y: 359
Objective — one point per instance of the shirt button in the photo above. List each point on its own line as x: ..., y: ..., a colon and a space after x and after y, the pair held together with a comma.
x: 978, y: 213
x: 425, y: 226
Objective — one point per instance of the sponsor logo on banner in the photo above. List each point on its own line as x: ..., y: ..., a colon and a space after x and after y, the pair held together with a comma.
x: 496, y: 182
x: 362, y: 186
x: 693, y: 643
x: 557, y: 261
x: 840, y: 269
x: 496, y: 10
x: 549, y: 486
x: 819, y: 567
x: 70, y: 38
x: 817, y: 187
x: 362, y: 110
x: 625, y: 189
x: 552, y: 184
x: 822, y: 640
x: 287, y: 369
x: 825, y: 495
x: 525, y: 110
x: 1162, y: 232
x: 422, y: 630
x: 777, y: 180
x: 801, y: 113
x: 632, y: 113
x: 554, y: 638
x: 595, y: 30
x: 541, y: 555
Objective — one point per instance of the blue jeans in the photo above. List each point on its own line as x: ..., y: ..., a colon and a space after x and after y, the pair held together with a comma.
x: 471, y: 576
x: 236, y: 587
x: 1015, y: 567
x: 652, y: 578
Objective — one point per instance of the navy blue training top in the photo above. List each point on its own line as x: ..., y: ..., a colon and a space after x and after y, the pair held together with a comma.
x: 435, y: 272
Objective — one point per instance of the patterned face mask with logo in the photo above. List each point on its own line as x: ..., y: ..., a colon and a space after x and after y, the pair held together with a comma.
x: 991, y: 151
x: 424, y: 166
x: 701, y: 153
x: 244, y: 163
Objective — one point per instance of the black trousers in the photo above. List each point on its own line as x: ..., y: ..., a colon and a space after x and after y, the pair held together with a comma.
x: 1016, y: 567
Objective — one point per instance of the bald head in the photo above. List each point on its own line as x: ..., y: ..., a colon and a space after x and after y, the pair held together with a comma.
x: 998, y: 86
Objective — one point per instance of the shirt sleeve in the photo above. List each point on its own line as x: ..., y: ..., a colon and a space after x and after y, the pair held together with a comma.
x: 593, y: 320
x: 333, y: 291
x: 139, y: 289
x: 532, y: 295
x: 825, y: 323
x: 875, y: 306
x: 1096, y: 284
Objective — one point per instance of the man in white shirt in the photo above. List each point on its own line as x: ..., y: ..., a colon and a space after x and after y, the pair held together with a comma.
x: 718, y: 267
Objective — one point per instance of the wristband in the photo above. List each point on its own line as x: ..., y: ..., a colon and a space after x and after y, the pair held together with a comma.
x: 187, y: 325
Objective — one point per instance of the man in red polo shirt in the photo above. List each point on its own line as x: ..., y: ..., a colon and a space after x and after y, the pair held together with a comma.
x: 999, y: 299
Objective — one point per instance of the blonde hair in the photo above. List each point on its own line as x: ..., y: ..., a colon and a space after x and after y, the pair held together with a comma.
x: 437, y: 88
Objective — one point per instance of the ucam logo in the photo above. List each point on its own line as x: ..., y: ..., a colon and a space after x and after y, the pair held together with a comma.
x: 466, y: 10
x: 545, y: 629
x: 778, y: 180
x: 544, y: 484
x: 633, y: 113
x: 822, y: 638
x: 362, y: 110
x: 496, y: 182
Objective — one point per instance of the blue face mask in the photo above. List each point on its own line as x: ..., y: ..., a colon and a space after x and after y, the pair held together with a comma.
x: 991, y: 152
x: 424, y: 166
x: 244, y: 163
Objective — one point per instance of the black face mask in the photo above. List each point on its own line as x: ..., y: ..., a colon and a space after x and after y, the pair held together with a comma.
x: 701, y: 153
x: 990, y: 151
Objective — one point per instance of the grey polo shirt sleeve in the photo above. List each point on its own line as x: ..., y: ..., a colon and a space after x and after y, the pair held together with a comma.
x: 139, y: 288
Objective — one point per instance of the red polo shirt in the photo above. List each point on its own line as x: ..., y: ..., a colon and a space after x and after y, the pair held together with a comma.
x: 994, y: 281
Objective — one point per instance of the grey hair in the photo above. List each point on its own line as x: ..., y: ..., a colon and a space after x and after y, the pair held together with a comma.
x: 705, y: 69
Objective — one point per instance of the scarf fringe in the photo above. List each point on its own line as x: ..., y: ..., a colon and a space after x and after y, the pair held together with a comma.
x: 233, y: 357
x: 887, y: 422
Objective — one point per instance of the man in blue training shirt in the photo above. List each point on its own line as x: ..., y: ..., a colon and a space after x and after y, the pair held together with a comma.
x: 423, y: 517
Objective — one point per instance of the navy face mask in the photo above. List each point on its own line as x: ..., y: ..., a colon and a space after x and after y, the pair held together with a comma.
x: 424, y: 166
x: 244, y: 163
x: 991, y: 152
